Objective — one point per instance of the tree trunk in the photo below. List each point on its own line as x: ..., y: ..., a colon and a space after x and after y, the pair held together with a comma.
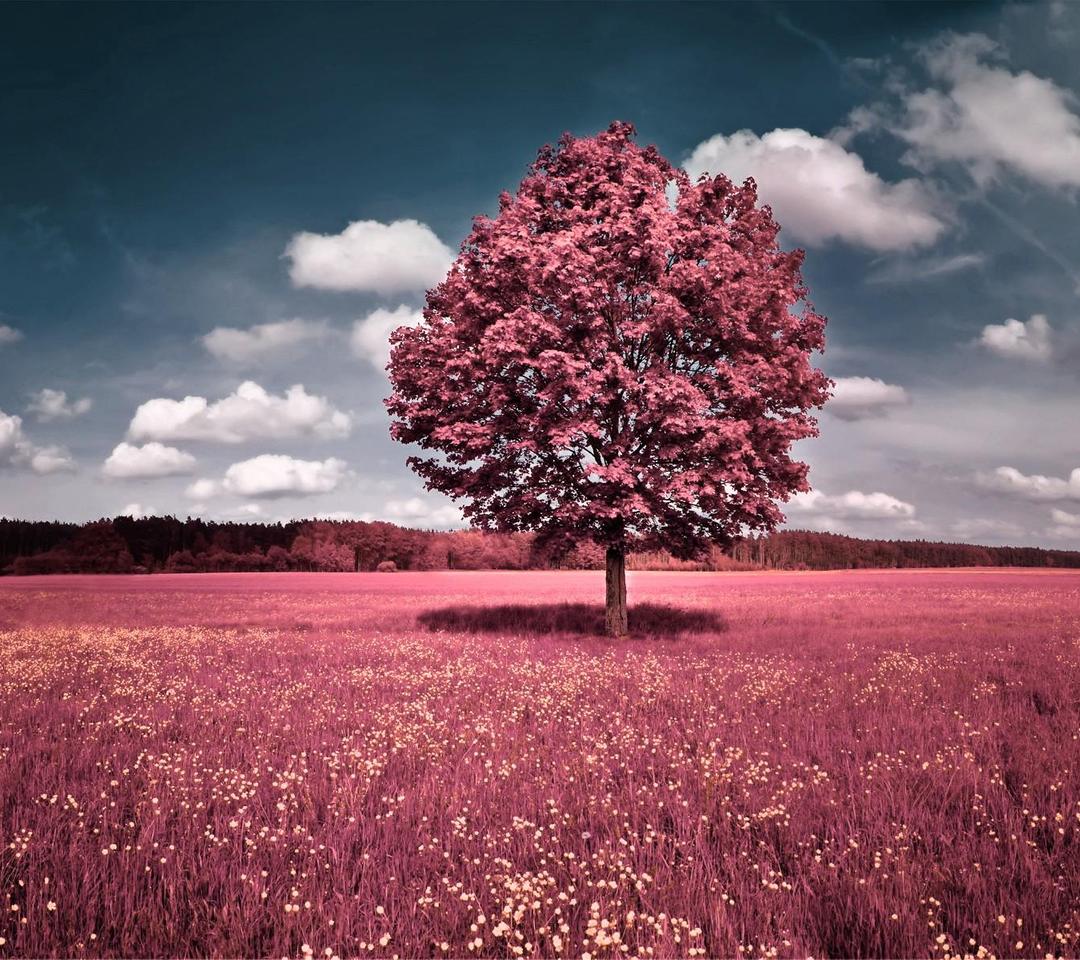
x: 616, y: 592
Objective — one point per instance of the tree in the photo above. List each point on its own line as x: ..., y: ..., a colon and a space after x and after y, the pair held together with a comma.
x: 605, y: 363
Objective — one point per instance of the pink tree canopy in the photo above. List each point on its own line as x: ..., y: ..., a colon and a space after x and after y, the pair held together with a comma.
x: 619, y: 355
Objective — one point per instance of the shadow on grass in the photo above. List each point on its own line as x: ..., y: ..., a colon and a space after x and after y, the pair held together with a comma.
x: 645, y: 619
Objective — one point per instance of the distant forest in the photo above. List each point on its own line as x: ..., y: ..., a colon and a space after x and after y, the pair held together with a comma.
x: 169, y: 545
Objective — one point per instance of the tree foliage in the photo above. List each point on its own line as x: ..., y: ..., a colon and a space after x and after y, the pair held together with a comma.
x: 606, y: 363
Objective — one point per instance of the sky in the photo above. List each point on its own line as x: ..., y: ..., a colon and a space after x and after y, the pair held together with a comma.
x: 212, y: 215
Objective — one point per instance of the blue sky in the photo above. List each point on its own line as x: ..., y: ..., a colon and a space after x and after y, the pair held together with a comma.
x: 189, y: 324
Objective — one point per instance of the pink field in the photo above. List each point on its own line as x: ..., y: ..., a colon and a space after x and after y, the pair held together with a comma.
x: 849, y: 764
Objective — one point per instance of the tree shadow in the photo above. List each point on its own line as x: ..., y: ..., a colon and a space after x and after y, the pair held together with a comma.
x: 645, y: 619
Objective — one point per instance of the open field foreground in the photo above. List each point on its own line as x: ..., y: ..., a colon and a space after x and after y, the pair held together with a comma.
x: 825, y: 764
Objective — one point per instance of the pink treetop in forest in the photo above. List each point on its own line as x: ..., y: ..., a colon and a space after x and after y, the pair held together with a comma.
x: 619, y: 355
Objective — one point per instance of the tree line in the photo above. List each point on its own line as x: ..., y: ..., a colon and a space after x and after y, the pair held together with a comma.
x: 172, y: 545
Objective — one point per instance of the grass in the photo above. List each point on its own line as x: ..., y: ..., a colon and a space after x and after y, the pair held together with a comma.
x: 849, y: 764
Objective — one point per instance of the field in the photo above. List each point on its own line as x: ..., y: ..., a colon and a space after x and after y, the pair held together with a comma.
x: 774, y: 765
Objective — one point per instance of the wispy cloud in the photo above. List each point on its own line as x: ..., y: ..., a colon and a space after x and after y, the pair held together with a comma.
x: 925, y: 268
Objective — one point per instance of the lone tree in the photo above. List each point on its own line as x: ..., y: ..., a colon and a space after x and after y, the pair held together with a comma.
x: 619, y: 355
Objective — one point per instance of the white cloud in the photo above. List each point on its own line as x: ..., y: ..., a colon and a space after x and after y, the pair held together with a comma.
x: 416, y: 512
x: 49, y: 404
x: 371, y: 335
x: 129, y: 462
x: 990, y: 119
x: 137, y: 511
x: 1064, y: 518
x: 1064, y: 526
x: 860, y: 398
x: 1009, y: 480
x: 249, y: 413
x: 821, y: 191
x: 17, y: 450
x: 12, y: 440
x: 262, y: 340
x: 853, y: 505
x: 370, y: 256
x: 9, y: 335
x: 277, y: 475
x: 1018, y: 340
x: 46, y: 460
x: 202, y: 489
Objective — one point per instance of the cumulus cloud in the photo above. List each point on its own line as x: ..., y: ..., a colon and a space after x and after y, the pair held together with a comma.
x: 247, y: 414
x: 1010, y: 481
x: 11, y: 435
x: 853, y: 505
x: 276, y: 475
x: 9, y: 335
x: 129, y: 462
x: 1065, y: 518
x: 861, y: 398
x: 370, y: 256
x: 17, y: 450
x: 371, y: 335
x: 988, y: 118
x: 1064, y: 525
x: 262, y: 340
x: 821, y: 191
x: 1020, y: 340
x: 417, y: 512
x: 137, y: 511
x: 45, y: 460
x: 202, y: 489
x: 49, y: 404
